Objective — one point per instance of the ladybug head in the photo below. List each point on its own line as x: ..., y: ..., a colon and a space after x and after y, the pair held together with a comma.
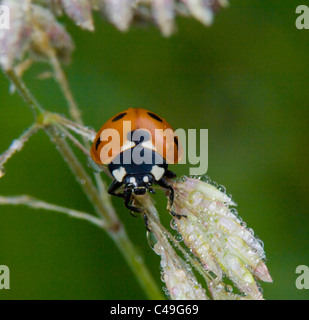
x: 139, y: 183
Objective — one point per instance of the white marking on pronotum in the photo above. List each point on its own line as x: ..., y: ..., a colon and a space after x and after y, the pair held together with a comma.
x: 149, y: 145
x: 133, y: 180
x: 127, y: 145
x: 145, y: 179
x: 157, y: 172
x: 119, y: 173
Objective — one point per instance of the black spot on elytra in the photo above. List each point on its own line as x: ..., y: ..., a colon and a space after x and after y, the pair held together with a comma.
x: 97, y: 143
x: 176, y: 141
x: 121, y: 115
x: 154, y: 116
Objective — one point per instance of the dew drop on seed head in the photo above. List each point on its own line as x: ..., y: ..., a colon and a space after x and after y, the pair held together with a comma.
x: 205, y: 178
x: 260, y: 242
x: 260, y: 288
x: 214, y: 183
x: 251, y: 231
x: 162, y: 277
x: 219, y: 287
x: 221, y: 188
x: 228, y: 288
x: 234, y: 212
x: 173, y: 224
x: 195, y: 198
x: 178, y: 237
x: 151, y: 239
x: 229, y: 195
x: 244, y: 224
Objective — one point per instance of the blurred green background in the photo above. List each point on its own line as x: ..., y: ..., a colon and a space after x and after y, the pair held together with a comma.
x: 245, y: 79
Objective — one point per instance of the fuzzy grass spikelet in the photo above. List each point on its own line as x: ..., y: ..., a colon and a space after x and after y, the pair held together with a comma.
x: 34, y: 28
x: 217, y: 236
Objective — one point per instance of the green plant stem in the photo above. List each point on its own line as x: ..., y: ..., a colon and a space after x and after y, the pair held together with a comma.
x: 135, y: 261
x: 65, y: 87
x: 34, y: 203
x: 25, y: 93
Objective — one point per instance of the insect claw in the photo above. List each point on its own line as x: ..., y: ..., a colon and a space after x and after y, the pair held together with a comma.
x: 178, y: 216
x: 146, y: 222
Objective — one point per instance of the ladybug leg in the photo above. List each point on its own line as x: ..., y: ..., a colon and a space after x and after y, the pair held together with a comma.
x: 133, y: 214
x: 164, y: 184
x: 113, y: 188
x: 146, y: 222
x: 169, y: 174
x: 178, y: 216
x: 127, y: 199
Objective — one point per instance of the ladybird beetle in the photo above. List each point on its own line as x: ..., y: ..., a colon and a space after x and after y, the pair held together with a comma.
x: 140, y: 136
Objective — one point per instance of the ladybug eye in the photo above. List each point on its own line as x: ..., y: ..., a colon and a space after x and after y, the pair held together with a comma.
x: 154, y: 116
x: 121, y: 115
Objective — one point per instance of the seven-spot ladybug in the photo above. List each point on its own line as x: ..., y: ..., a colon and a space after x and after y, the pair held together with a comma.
x: 137, y: 145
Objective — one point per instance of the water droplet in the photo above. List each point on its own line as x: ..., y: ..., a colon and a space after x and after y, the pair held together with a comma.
x: 173, y: 224
x: 178, y: 237
x: 151, y: 239
x: 195, y: 198
x: 260, y: 242
x: 230, y: 196
x: 205, y: 178
x: 234, y: 212
x: 219, y: 287
x: 228, y: 288
x: 162, y: 277
x: 221, y: 188
x: 214, y: 183
x: 81, y: 180
x: 244, y: 224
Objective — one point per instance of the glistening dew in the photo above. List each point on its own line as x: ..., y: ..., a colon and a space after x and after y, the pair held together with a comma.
x: 225, y: 251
